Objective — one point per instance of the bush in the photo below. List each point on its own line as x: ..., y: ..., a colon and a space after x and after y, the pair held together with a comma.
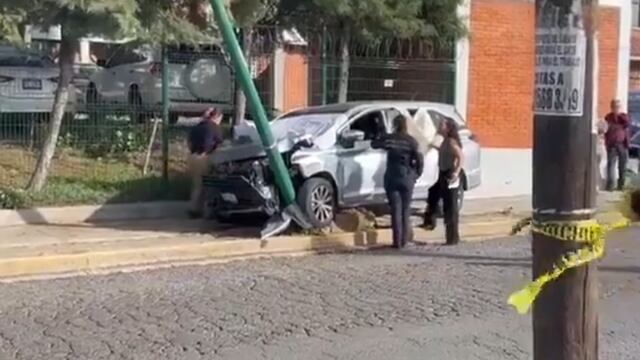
x: 12, y: 199
x: 104, y: 140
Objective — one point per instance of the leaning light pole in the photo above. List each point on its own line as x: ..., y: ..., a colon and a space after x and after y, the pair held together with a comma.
x: 290, y: 210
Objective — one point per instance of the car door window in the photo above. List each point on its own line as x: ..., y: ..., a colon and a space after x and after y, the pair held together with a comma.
x: 438, y: 118
x: 372, y: 124
x: 391, y: 114
x: 124, y: 56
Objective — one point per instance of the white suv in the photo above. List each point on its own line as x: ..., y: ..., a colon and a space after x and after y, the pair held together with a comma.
x: 132, y: 76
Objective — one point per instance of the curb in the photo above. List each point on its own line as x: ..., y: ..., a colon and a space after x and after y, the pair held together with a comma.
x: 85, y: 258
x: 93, y: 256
x: 93, y: 214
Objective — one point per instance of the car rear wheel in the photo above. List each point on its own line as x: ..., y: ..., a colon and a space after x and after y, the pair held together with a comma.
x: 174, y: 118
x: 316, y: 197
x: 92, y: 94
x: 137, y: 108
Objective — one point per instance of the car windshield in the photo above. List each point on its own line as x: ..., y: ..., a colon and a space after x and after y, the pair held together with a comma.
x: 25, y: 60
x: 310, y: 124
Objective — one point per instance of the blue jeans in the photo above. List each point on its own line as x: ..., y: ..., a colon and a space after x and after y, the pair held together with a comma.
x: 399, y: 195
x: 619, y: 153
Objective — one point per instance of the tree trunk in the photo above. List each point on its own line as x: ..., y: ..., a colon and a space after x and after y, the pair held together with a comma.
x: 65, y: 61
x: 345, y: 62
x: 240, y: 98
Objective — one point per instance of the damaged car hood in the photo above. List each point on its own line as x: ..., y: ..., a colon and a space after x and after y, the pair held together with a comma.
x: 287, y: 132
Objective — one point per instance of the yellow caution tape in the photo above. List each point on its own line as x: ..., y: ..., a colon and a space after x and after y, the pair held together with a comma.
x: 589, y: 232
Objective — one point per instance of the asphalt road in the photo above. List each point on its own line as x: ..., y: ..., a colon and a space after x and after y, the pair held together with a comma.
x: 423, y: 303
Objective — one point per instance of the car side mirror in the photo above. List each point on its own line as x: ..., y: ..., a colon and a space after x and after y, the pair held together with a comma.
x: 348, y: 138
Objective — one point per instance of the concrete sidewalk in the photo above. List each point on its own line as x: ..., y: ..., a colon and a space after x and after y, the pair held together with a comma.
x: 80, y: 248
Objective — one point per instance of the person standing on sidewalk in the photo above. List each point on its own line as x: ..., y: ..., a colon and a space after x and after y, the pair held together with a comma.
x: 601, y: 154
x: 617, y: 143
x: 446, y: 188
x: 203, y: 140
x: 404, y: 166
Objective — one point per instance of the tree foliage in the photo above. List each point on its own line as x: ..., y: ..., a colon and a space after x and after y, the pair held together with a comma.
x: 247, y: 13
x: 174, y: 22
x: 441, y: 19
x: 376, y: 18
x: 78, y: 18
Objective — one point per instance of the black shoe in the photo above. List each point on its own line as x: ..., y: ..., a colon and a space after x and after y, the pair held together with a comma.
x: 452, y: 243
x: 429, y: 226
x: 194, y: 214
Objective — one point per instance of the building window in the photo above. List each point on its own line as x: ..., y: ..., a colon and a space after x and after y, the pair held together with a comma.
x: 635, y: 11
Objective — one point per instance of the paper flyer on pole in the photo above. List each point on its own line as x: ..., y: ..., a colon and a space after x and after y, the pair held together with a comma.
x: 561, y: 49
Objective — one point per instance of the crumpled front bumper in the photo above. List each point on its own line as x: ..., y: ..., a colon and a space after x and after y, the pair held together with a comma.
x: 237, y: 194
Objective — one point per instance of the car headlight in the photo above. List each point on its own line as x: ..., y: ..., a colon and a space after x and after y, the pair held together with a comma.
x: 258, y: 171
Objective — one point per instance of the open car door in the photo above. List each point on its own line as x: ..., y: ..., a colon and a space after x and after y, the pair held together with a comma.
x: 422, y: 128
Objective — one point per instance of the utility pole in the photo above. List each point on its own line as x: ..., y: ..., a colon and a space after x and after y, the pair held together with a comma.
x: 565, y: 318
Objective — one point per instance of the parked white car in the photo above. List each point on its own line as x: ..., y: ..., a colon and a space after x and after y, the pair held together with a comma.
x: 329, y: 155
x: 28, y: 82
x: 132, y: 76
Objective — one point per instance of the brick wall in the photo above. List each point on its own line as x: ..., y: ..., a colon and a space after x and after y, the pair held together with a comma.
x: 502, y: 67
x: 296, y: 79
x: 609, y: 32
x: 634, y: 66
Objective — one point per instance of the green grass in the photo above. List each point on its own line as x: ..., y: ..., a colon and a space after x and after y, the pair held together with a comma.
x: 76, y: 179
x: 60, y: 191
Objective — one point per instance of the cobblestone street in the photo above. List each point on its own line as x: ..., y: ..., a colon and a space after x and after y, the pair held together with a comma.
x: 424, y: 303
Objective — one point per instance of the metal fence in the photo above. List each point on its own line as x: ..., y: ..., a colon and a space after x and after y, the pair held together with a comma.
x: 110, y: 147
x: 420, y: 69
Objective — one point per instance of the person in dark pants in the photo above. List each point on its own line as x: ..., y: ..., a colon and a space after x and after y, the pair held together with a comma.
x: 617, y: 143
x: 404, y: 167
x: 446, y: 188
x: 203, y: 140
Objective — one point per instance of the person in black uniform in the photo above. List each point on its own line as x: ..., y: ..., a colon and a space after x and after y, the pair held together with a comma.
x: 446, y: 188
x: 404, y: 167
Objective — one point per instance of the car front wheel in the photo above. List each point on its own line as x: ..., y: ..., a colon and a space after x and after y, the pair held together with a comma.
x: 316, y: 197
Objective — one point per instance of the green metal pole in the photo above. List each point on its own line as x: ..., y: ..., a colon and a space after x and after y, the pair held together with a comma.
x: 165, y: 115
x: 283, y: 180
x: 324, y: 65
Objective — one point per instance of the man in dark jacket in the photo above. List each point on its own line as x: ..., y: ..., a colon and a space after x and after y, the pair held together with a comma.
x: 617, y: 144
x: 203, y: 140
